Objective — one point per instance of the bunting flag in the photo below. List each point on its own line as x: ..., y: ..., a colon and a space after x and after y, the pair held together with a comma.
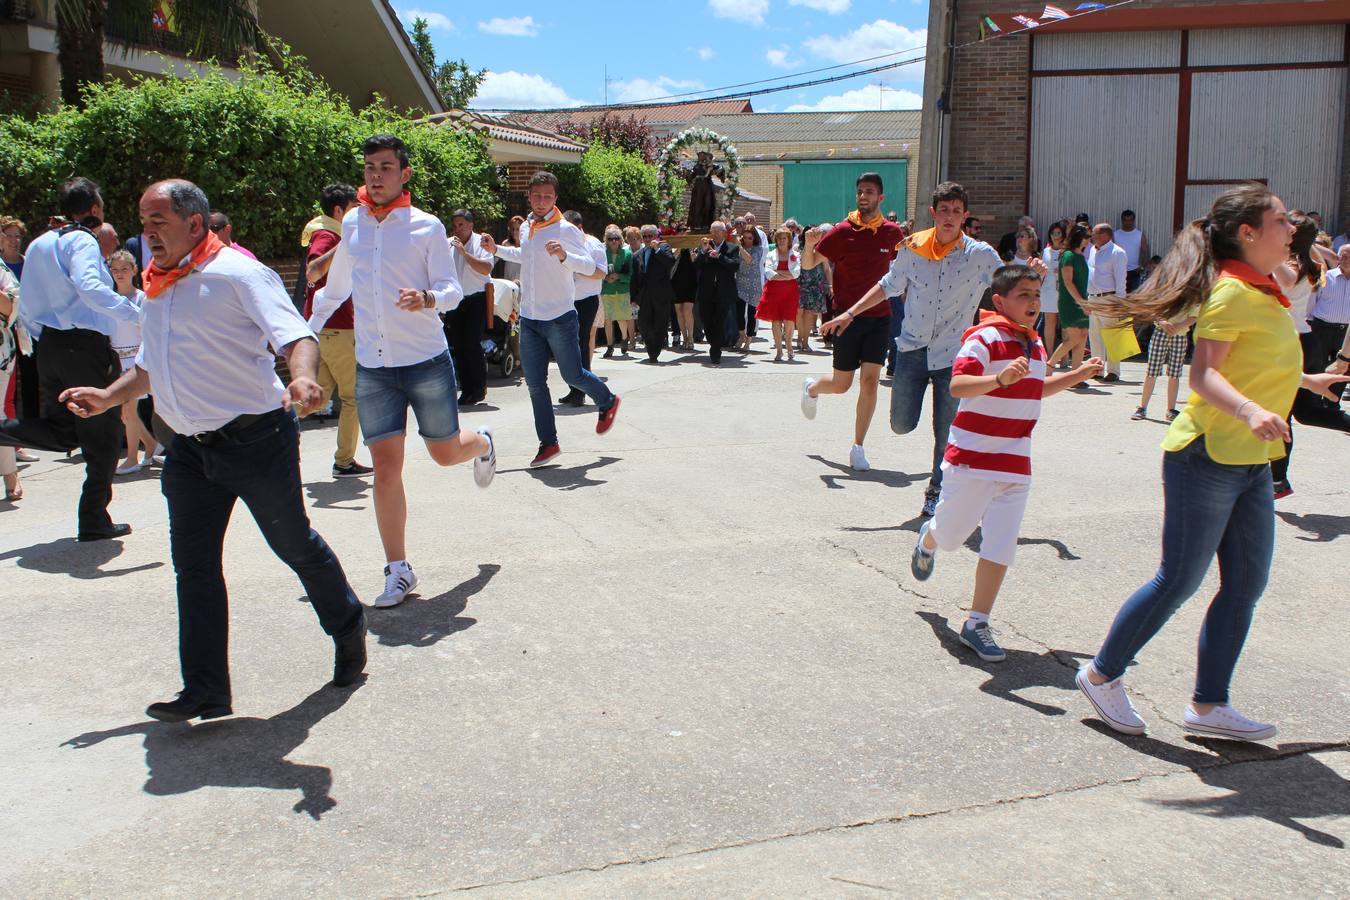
x: 1006, y: 23
x: 162, y: 19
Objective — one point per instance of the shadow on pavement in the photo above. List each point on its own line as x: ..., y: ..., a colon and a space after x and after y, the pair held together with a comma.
x: 1320, y: 527
x: 1022, y: 669
x: 335, y: 492
x: 1304, y: 788
x: 972, y: 542
x: 567, y: 478
x: 422, y: 623
x: 886, y: 477
x: 240, y: 752
x: 68, y: 556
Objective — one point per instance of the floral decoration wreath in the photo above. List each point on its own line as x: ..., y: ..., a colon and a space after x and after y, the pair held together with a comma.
x: 667, y: 178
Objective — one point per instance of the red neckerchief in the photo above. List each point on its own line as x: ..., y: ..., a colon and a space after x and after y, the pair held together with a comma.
x: 378, y: 211
x: 1236, y: 268
x: 158, y: 280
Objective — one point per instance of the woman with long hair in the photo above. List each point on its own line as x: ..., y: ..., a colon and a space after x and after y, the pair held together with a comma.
x: 1054, y: 246
x: 1246, y: 369
x: 1073, y: 289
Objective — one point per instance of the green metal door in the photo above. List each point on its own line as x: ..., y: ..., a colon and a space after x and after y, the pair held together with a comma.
x: 822, y: 190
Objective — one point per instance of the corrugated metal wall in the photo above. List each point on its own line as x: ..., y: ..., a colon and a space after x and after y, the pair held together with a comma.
x: 1292, y: 137
x: 1101, y: 144
x: 1138, y: 50
x: 1252, y: 46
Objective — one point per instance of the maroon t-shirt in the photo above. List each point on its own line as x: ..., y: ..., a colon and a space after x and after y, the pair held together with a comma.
x: 860, y: 258
x: 323, y: 241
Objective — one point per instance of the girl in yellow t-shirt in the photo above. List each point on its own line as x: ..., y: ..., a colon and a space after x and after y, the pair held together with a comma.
x: 1217, y: 492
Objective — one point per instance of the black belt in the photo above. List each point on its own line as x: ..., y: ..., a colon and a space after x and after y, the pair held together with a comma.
x: 230, y: 430
x: 1318, y: 321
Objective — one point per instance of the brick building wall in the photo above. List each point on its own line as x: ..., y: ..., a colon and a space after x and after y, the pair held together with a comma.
x: 990, y: 103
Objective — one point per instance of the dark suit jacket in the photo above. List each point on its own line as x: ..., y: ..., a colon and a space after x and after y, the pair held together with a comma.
x: 717, y: 274
x: 652, y: 275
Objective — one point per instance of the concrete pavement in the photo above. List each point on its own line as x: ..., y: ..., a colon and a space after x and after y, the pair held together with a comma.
x: 687, y: 661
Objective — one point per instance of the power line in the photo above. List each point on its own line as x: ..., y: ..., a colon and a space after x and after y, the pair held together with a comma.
x: 737, y: 95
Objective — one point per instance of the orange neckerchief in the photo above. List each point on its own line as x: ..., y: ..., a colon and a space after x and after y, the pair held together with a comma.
x: 158, y: 280
x: 1236, y: 268
x: 379, y: 212
x: 925, y: 244
x: 553, y: 217
x: 855, y: 219
x: 989, y: 317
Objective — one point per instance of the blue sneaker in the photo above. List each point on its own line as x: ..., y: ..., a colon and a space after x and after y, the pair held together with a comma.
x: 921, y: 563
x: 980, y: 639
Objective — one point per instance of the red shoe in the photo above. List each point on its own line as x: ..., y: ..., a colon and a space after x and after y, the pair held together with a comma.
x: 607, y: 417
x: 546, y: 453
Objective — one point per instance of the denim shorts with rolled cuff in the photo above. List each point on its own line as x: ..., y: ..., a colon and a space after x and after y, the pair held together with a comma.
x: 383, y: 396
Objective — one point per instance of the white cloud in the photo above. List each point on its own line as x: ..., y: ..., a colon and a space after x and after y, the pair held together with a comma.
x: 635, y: 90
x: 833, y: 7
x: 778, y: 58
x: 438, y: 21
x: 521, y: 90
x: 873, y: 39
x: 750, y: 12
x: 705, y: 53
x: 515, y: 26
x: 871, y: 97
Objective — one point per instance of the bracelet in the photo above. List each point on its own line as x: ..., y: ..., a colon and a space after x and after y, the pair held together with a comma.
x: 1345, y: 359
x: 1241, y: 406
x: 998, y: 379
x: 849, y: 313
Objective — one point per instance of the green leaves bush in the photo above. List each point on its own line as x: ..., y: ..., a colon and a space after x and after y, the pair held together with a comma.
x: 261, y: 146
x: 609, y: 185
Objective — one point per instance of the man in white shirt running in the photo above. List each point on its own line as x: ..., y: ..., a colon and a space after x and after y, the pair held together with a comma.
x: 550, y: 251
x: 394, y: 262
x: 205, y: 353
x: 1107, y: 277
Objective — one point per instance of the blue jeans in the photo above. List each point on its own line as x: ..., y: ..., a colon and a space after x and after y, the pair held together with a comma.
x: 261, y: 466
x: 384, y: 394
x: 910, y: 383
x: 1209, y: 509
x: 559, y: 336
x: 897, y: 324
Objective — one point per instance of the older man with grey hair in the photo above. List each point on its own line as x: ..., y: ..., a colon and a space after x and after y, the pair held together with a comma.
x: 716, y: 260
x: 1108, y: 267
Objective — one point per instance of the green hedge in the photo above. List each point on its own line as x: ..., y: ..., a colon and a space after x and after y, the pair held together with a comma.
x: 261, y: 147
x: 609, y: 185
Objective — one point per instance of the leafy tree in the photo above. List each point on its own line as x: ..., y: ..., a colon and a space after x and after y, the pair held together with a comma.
x: 612, y: 130
x: 202, y: 28
x: 457, y: 83
x: 609, y: 185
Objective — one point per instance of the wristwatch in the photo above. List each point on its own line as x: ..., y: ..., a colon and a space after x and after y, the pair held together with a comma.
x: 428, y: 301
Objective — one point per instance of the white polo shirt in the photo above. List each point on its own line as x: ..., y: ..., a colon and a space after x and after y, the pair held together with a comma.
x: 375, y: 260
x: 469, y: 280
x: 547, y: 290
x: 204, y: 343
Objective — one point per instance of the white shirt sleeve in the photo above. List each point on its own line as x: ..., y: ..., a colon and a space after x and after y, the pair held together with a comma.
x: 510, y: 254
x: 579, y: 260
x: 1119, y: 261
x: 263, y: 298
x: 441, y: 275
x: 336, y: 290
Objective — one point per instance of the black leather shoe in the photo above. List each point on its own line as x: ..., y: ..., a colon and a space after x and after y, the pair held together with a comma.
x: 105, y: 534
x: 187, y: 707
x: 576, y: 398
x: 349, y: 655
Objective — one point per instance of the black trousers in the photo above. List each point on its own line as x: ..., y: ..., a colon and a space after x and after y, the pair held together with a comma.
x: 653, y: 317
x: 66, y: 359
x: 260, y: 465
x: 26, y: 404
x: 464, y: 326
x: 586, y: 308
x: 1320, y: 347
x: 713, y: 312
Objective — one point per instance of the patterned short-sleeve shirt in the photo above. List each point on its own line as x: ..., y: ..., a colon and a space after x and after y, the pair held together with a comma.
x: 941, y: 297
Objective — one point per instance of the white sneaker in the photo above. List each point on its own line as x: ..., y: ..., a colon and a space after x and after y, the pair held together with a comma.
x: 485, y: 466
x: 808, y: 402
x: 1111, y: 702
x: 1226, y: 722
x: 399, y: 580
x: 857, y: 459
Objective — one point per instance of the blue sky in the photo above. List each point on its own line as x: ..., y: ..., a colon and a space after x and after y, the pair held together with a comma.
x: 554, y: 54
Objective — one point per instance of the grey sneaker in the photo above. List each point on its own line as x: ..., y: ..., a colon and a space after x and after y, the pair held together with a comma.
x: 930, y: 501
x: 921, y: 562
x: 981, y: 639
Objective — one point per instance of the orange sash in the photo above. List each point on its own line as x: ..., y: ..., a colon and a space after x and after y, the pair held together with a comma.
x: 925, y: 244
x: 158, y: 280
x: 553, y: 217
x: 379, y: 212
x: 855, y: 219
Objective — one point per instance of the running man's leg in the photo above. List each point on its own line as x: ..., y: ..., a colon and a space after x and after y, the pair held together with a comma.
x: 569, y: 362
x: 907, y: 389
x: 534, y: 356
x: 383, y: 411
x: 867, y: 401
x: 430, y: 388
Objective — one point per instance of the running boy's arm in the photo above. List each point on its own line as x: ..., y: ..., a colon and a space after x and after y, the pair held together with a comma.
x: 1065, y: 380
x: 892, y: 284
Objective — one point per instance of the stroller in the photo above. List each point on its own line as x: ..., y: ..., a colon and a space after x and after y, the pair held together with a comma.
x: 501, y: 346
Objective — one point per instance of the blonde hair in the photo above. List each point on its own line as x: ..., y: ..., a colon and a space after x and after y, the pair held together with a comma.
x: 632, y: 231
x: 8, y: 222
x: 613, y: 231
x: 122, y: 256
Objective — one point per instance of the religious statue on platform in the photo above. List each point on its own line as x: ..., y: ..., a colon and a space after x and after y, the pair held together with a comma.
x: 702, y: 193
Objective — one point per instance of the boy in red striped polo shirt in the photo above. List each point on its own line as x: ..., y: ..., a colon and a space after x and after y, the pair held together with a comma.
x: 999, y: 377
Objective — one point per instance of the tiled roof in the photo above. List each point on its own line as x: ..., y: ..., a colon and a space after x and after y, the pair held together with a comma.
x: 654, y: 114
x: 507, y: 128
x: 809, y: 127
